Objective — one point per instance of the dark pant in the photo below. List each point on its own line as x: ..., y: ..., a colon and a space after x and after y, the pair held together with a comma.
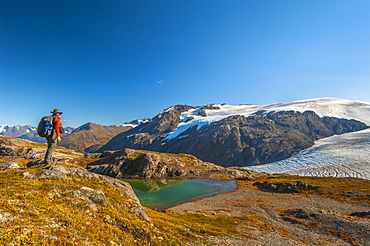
x: 52, y: 142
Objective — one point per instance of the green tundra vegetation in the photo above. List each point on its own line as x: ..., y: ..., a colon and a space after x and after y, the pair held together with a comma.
x: 45, y: 212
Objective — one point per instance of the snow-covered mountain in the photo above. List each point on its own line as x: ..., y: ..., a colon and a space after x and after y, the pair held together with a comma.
x: 16, y: 131
x: 346, y: 155
x: 245, y: 135
x: 332, y: 107
x: 26, y: 132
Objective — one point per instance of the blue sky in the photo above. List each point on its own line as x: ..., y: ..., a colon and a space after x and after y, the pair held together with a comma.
x: 110, y: 62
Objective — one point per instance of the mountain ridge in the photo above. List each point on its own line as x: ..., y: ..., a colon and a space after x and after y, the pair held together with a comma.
x: 91, y: 136
x: 177, y: 129
x: 87, y: 137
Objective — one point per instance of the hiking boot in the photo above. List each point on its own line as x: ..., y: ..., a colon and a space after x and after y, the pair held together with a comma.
x: 49, y: 164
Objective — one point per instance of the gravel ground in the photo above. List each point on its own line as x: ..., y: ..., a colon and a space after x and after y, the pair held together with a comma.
x: 284, y: 219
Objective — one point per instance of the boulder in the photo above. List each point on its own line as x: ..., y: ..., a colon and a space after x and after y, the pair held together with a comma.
x: 291, y: 187
x: 97, y: 197
x: 10, y: 165
x: 361, y: 214
x: 61, y: 172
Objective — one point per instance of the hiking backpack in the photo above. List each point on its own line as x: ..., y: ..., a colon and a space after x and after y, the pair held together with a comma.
x: 45, y: 126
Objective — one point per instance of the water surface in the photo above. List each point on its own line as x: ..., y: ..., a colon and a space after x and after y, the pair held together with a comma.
x: 162, y: 194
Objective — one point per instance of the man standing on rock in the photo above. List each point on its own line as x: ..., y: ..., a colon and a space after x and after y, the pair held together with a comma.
x: 54, y: 137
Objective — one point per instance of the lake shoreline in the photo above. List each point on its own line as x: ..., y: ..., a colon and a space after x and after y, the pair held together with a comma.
x: 282, y: 219
x: 162, y: 194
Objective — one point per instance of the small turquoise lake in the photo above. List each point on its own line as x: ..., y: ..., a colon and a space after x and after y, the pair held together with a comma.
x: 165, y: 193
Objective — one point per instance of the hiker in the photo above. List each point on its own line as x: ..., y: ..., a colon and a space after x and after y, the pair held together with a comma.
x: 54, y: 137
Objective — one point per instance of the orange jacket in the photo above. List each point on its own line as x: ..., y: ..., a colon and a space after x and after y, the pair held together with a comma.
x: 57, y: 122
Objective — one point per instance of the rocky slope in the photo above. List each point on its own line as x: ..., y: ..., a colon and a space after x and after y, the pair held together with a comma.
x: 236, y: 140
x: 91, y: 136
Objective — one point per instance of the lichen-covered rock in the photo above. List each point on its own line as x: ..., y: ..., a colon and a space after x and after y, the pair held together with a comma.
x: 30, y: 175
x: 54, y: 172
x: 10, y: 165
x: 97, y: 197
x: 61, y: 172
x: 6, y: 217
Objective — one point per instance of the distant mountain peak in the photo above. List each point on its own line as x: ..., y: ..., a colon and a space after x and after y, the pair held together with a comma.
x: 26, y: 132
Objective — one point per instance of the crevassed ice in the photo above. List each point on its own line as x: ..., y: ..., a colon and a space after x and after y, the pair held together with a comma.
x: 345, y: 155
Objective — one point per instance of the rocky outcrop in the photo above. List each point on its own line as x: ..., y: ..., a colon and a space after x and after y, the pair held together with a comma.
x: 9, y: 165
x: 128, y: 163
x: 96, y: 197
x: 236, y: 140
x: 361, y: 214
x: 17, y: 147
x: 61, y: 172
x: 202, y: 110
x: 290, y: 187
x: 14, y: 153
x: 12, y: 148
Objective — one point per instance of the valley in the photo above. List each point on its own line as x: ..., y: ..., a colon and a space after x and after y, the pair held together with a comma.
x: 321, y: 137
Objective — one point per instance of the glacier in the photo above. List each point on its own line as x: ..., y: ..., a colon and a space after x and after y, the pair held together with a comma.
x: 346, y: 155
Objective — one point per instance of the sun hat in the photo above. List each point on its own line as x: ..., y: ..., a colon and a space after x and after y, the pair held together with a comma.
x: 56, y: 111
